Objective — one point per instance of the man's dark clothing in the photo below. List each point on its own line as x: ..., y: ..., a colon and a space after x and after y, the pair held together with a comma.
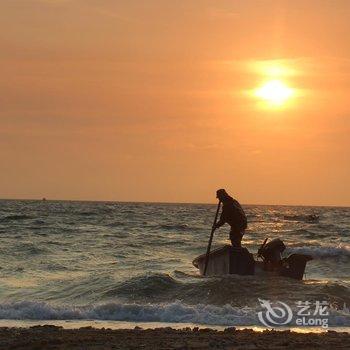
x: 233, y: 214
x: 236, y: 238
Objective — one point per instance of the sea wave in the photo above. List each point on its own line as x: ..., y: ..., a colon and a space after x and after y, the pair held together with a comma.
x: 231, y: 289
x: 318, y: 252
x: 116, y: 224
x: 175, y: 312
x: 302, y: 218
x: 15, y: 217
x: 135, y: 259
x: 175, y: 227
x: 29, y: 248
x: 87, y: 213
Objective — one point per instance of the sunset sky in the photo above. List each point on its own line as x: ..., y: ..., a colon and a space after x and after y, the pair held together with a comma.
x: 164, y: 100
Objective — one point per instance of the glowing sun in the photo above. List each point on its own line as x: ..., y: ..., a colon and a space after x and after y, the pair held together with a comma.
x: 274, y: 92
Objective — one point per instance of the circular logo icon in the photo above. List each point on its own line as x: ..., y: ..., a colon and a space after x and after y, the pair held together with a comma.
x: 278, y: 314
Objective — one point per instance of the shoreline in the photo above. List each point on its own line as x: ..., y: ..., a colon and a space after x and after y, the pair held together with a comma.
x: 117, y: 325
x: 56, y: 337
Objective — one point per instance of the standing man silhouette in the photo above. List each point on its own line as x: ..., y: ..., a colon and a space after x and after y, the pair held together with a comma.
x: 232, y: 214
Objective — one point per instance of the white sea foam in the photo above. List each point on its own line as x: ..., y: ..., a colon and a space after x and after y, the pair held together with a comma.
x: 322, y: 251
x: 175, y: 312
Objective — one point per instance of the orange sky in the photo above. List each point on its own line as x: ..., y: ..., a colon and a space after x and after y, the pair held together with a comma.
x: 152, y: 100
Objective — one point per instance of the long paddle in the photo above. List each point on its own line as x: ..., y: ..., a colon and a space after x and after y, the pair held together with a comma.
x: 211, y: 239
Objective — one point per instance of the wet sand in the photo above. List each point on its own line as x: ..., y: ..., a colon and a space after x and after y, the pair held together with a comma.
x: 53, y: 337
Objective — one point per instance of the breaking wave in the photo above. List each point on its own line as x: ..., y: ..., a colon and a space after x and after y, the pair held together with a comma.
x: 231, y: 289
x: 318, y: 252
x: 175, y: 312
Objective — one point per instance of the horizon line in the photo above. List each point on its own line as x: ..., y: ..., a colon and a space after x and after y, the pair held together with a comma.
x: 165, y: 202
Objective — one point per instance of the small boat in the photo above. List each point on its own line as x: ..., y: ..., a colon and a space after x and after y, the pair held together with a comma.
x: 230, y: 260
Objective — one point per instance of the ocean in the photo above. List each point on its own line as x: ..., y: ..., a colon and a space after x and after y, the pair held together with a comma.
x: 132, y: 262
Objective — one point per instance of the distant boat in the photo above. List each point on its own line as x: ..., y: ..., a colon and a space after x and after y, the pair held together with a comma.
x: 44, y: 199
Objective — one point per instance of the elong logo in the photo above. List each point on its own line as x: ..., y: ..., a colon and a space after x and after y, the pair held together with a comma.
x: 281, y: 314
